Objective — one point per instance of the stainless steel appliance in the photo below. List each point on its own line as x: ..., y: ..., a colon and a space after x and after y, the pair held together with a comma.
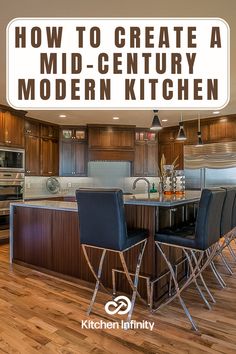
x: 11, y: 190
x: 12, y: 160
x: 210, y: 165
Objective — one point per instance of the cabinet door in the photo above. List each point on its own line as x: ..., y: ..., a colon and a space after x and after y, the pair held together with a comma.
x: 151, y: 160
x: 46, y: 168
x: 166, y: 149
x: 33, y: 244
x: 1, y: 128
x: 139, y: 159
x: 66, y: 159
x: 49, y: 157
x: 55, y: 157
x: 49, y: 131
x: 13, y: 130
x: 32, y: 156
x: 67, y: 134
x: 80, y: 158
x: 31, y: 128
x: 178, y: 150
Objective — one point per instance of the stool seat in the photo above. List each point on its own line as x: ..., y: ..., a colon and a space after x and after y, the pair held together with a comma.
x: 184, y: 237
x: 134, y: 236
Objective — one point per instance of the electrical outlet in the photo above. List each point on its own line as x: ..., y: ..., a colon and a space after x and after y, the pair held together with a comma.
x: 69, y: 185
x: 28, y: 185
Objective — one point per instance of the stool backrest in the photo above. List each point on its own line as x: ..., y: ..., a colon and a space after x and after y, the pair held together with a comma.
x: 227, y: 211
x: 101, y: 217
x: 208, y: 221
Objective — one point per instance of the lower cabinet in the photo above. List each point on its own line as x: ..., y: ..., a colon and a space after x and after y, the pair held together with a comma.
x: 146, y: 159
x: 32, y: 237
x: 73, y: 159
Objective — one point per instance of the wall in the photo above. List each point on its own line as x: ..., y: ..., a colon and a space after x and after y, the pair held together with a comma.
x: 35, y: 187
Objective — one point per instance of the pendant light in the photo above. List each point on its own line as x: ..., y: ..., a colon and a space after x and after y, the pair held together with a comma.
x: 181, y: 134
x: 156, y: 124
x: 199, y: 133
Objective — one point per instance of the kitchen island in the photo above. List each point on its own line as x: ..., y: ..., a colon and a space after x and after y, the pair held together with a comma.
x: 45, y: 235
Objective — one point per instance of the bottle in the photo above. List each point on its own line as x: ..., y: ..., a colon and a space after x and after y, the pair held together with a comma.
x: 153, y: 189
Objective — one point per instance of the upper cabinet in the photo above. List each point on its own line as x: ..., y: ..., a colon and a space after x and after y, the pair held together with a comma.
x: 49, y: 131
x: 41, y: 149
x: 73, y: 151
x: 11, y: 130
x: 49, y: 157
x: 146, y: 153
x: 74, y: 134
x: 32, y: 128
x: 110, y: 137
x: 170, y: 147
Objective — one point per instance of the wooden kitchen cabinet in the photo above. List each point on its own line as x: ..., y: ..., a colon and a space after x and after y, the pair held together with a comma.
x: 111, y: 137
x: 171, y: 150
x: 73, y: 134
x: 33, y: 244
x: 32, y: 128
x: 49, y: 131
x: 32, y: 155
x: 73, y: 158
x: 146, y: 159
x: 12, y: 130
x: 49, y: 157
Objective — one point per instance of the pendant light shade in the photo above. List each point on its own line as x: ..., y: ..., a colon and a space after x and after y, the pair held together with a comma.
x: 181, y: 134
x: 156, y: 124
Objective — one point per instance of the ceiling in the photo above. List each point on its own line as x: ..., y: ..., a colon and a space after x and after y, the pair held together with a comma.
x: 122, y: 8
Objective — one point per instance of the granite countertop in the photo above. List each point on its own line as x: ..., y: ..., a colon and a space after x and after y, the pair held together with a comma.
x: 137, y: 199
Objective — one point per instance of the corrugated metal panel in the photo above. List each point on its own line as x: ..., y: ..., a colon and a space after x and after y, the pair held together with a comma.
x: 218, y: 155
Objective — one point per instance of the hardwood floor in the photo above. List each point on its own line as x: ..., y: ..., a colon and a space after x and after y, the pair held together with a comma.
x: 41, y: 314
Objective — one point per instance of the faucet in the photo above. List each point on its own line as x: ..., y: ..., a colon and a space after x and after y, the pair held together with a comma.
x: 142, y: 179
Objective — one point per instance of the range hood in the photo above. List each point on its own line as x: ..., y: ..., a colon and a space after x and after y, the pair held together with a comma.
x: 217, y: 155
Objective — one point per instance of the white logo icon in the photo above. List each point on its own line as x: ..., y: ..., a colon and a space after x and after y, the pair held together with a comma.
x: 120, y: 305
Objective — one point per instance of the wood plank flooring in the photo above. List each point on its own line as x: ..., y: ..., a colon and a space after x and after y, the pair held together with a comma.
x: 41, y: 314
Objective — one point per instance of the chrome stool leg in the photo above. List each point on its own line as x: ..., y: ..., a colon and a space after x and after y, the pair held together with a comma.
x: 232, y: 251
x: 133, y: 284
x: 202, y: 279
x: 215, y: 272
x: 195, y: 280
x: 177, y: 288
x: 227, y: 266
x: 97, y: 276
x: 140, y: 257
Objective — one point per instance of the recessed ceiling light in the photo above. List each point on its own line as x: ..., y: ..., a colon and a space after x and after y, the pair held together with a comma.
x: 164, y: 120
x: 216, y: 112
x: 62, y: 116
x: 116, y: 118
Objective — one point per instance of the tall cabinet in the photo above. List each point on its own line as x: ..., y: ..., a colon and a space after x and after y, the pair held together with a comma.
x: 73, y: 151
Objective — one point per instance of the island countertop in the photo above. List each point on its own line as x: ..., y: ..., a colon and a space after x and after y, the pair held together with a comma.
x: 137, y: 199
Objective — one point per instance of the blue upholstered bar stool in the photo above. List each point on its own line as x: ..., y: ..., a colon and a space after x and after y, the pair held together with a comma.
x: 102, y: 225
x: 226, y: 225
x: 194, y: 243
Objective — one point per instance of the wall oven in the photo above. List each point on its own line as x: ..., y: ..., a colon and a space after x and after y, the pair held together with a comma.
x: 11, y: 190
x: 12, y: 160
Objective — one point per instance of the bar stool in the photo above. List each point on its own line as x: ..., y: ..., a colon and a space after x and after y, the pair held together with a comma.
x: 226, y: 225
x: 194, y: 243
x: 103, y: 226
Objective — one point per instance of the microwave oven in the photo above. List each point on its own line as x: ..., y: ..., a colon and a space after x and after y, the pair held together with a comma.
x: 12, y: 160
